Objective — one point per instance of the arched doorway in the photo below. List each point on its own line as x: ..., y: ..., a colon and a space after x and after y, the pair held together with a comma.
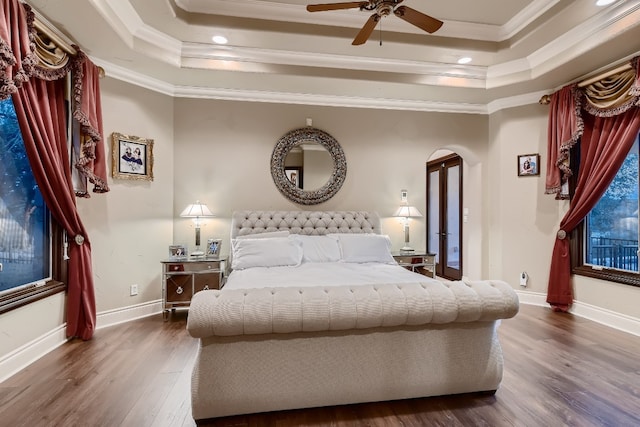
x: 445, y: 214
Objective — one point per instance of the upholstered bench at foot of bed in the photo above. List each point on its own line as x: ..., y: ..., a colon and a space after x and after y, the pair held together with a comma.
x: 275, y: 349
x: 287, y: 310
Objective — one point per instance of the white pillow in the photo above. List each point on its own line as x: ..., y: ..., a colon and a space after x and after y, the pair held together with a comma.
x: 319, y: 248
x: 265, y: 252
x: 365, y: 248
x: 267, y: 235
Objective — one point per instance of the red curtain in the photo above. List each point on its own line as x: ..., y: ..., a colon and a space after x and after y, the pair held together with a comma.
x: 41, y: 111
x: 565, y: 128
x: 605, y: 141
x: 604, y: 145
x: 17, y: 51
x: 88, y: 112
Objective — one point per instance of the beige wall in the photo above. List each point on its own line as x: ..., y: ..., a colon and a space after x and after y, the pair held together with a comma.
x: 131, y: 226
x: 219, y: 151
x: 224, y: 147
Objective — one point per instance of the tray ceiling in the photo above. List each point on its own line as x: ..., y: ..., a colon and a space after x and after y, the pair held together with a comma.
x: 279, y: 52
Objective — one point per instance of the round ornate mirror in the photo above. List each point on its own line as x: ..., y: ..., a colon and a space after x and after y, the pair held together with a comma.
x: 308, y: 166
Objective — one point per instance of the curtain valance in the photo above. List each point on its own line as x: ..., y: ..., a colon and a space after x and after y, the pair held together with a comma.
x: 607, y: 97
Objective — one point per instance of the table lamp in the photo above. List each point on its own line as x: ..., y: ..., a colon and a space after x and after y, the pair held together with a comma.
x: 407, y: 212
x: 196, y: 211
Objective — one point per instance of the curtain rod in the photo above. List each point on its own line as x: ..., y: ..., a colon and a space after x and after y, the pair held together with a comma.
x: 546, y: 99
x: 604, y: 75
x: 45, y: 27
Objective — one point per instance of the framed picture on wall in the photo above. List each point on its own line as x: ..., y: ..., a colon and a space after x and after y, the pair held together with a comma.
x: 528, y: 164
x: 131, y: 157
x: 294, y: 174
x: 213, y: 247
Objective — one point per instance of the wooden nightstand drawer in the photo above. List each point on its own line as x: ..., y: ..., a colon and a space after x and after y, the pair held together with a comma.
x: 179, y: 288
x: 203, y: 281
x: 175, y: 267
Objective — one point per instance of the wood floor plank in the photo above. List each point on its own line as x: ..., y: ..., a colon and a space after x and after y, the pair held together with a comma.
x: 560, y: 370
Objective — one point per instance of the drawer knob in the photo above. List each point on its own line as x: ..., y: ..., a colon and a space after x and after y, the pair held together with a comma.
x: 179, y: 290
x: 206, y: 287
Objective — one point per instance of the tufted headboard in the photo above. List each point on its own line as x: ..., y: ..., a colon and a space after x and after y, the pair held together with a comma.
x: 304, y: 222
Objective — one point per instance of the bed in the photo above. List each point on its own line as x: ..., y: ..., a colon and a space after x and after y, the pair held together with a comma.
x: 285, y: 333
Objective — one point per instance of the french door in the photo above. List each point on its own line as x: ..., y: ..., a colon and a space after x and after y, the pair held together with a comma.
x: 444, y: 215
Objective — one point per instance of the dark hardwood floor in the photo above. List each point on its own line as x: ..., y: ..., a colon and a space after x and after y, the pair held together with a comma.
x: 560, y: 370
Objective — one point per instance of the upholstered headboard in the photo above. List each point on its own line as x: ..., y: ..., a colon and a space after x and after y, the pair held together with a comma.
x: 304, y: 222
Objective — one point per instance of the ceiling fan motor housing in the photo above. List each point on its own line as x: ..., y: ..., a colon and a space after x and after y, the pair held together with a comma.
x: 382, y: 7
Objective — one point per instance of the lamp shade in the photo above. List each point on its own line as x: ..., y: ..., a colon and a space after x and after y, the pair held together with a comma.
x: 196, y: 210
x: 408, y: 212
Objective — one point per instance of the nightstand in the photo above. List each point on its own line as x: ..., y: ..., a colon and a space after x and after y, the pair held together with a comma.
x: 420, y: 262
x: 182, y: 278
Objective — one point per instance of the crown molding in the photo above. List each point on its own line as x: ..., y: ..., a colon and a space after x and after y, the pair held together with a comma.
x: 475, y: 76
x: 580, y: 39
x: 123, y: 74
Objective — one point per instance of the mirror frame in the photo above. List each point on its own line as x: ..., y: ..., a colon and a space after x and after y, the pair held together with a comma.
x: 294, y: 138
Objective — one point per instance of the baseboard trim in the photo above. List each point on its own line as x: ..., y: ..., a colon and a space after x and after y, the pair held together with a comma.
x: 23, y: 356
x: 127, y: 314
x: 600, y: 315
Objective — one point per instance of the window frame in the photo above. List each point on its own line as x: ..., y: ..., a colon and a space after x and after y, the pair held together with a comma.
x: 23, y: 296
x: 577, y: 248
x: 579, y: 268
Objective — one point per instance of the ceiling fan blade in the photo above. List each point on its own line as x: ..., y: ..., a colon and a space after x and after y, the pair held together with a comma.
x: 335, y: 6
x: 419, y: 19
x: 366, y: 30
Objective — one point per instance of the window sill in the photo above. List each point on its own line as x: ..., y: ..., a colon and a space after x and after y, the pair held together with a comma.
x: 30, y: 294
x: 609, y: 275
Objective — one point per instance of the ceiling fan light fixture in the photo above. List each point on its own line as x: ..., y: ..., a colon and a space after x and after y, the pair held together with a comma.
x: 465, y: 60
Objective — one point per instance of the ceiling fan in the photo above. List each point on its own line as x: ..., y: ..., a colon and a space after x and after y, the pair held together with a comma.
x: 382, y: 8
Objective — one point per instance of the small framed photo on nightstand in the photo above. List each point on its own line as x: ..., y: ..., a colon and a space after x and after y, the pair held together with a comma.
x: 213, y: 248
x: 178, y: 251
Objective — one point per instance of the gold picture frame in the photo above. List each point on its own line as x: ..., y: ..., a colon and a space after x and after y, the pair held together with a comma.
x: 131, y: 157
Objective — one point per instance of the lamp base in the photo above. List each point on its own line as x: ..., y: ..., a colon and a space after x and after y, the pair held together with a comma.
x: 197, y: 253
x: 407, y: 249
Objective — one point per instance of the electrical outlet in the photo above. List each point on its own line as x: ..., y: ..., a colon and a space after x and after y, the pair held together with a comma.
x: 134, y: 290
x: 524, y: 277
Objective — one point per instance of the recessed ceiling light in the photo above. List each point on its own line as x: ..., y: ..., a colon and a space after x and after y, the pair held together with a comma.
x: 604, y: 2
x: 219, y: 39
x: 464, y: 60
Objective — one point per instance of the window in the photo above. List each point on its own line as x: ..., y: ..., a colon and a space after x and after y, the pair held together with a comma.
x: 607, y: 240
x: 28, y: 236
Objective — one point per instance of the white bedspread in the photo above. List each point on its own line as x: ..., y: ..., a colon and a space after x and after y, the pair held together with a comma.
x: 322, y: 274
